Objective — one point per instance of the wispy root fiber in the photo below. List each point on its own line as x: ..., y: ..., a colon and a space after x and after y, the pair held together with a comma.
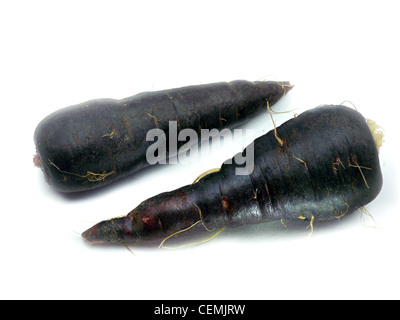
x: 111, y: 135
x: 192, y: 243
x: 361, y: 172
x: 310, y: 225
x: 155, y: 119
x: 205, y: 173
x: 302, y: 161
x: 187, y: 229
x: 363, y: 213
x: 90, y: 176
x: 280, y: 141
x: 344, y: 213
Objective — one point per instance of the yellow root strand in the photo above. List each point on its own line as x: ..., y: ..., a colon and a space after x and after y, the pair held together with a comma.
x: 283, y: 223
x: 192, y: 243
x: 302, y: 161
x: 337, y: 163
x: 365, y: 212
x: 284, y: 86
x: 311, y: 226
x: 205, y: 173
x: 177, y: 232
x: 255, y: 194
x: 237, y: 113
x: 280, y: 141
x: 129, y: 249
x: 111, y: 134
x: 195, y: 243
x: 348, y: 101
x: 155, y: 119
x: 201, y: 218
x: 362, y: 174
x: 344, y: 213
x: 283, y: 112
x: 90, y: 176
x: 188, y: 228
x: 221, y: 119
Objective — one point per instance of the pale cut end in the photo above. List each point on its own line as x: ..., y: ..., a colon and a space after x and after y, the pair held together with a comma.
x: 37, y: 161
x: 377, y: 133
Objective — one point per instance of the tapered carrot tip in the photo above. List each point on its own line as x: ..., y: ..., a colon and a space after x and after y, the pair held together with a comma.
x: 92, y: 235
x: 112, y: 230
x: 287, y: 85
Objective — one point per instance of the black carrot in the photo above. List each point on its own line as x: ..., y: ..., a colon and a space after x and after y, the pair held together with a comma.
x: 89, y: 145
x: 319, y: 166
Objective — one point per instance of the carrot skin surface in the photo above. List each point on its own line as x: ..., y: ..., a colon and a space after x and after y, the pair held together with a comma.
x: 327, y: 167
x: 92, y: 144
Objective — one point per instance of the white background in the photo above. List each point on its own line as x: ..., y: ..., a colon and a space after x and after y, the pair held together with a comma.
x: 58, y: 53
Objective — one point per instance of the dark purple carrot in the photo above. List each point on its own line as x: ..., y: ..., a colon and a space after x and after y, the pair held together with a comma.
x: 319, y: 166
x: 89, y: 145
